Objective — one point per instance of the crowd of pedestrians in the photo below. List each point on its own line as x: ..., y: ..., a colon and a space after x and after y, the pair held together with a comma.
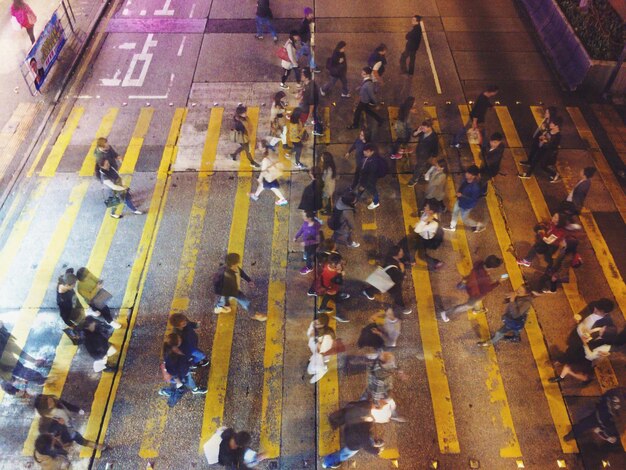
x: 82, y: 299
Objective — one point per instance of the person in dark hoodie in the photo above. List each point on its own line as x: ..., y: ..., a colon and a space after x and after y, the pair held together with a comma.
x: 187, y: 331
x: 234, y: 452
x: 343, y: 213
x: 264, y: 20
x: 372, y: 169
x: 178, y: 367
x: 413, y: 40
x: 96, y: 342
x: 427, y: 148
x: 367, y: 100
x: 337, y: 66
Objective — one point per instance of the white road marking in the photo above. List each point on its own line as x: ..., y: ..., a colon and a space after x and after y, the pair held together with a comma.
x: 146, y: 58
x: 127, y: 46
x: 115, y: 81
x: 165, y: 11
x: 182, y: 46
x: 147, y: 97
x: 126, y: 12
x: 142, y: 13
x: 193, y: 8
x: 84, y: 97
x: 430, y: 58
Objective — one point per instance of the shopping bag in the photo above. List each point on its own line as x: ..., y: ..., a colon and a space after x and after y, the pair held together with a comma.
x: 380, y: 279
x: 212, y: 446
x: 101, y: 298
x: 473, y: 136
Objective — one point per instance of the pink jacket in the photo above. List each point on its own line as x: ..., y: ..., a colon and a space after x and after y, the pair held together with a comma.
x: 24, y: 16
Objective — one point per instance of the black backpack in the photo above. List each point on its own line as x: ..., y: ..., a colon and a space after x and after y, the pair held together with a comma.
x: 334, y: 221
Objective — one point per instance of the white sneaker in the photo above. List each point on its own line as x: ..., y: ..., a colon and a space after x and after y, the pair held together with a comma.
x: 111, y: 351
x: 115, y: 325
x: 282, y: 202
x: 450, y: 229
x: 444, y: 317
x: 284, y: 87
x: 316, y: 377
x: 354, y: 245
x: 137, y: 212
x: 373, y: 206
x: 322, y: 92
x: 407, y: 311
x: 254, y: 197
x: 221, y: 310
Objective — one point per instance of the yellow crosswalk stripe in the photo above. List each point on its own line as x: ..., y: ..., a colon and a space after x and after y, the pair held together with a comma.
x: 20, y: 228
x: 600, y: 248
x: 157, y: 416
x: 134, y: 147
x: 614, y: 127
x: 607, y: 175
x: 15, y: 131
x: 89, y: 163
x: 497, y: 394
x: 538, y: 348
x: 272, y: 397
x: 45, y: 272
x: 63, y: 141
x: 223, y: 338
x: 326, y: 120
x: 105, y: 394
x: 429, y: 332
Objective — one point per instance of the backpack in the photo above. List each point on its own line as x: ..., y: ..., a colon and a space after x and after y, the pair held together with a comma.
x: 282, y: 54
x: 382, y: 169
x: 334, y: 221
x: 218, y: 280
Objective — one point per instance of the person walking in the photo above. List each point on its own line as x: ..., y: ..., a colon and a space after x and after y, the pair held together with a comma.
x: 309, y: 102
x: 380, y: 373
x: 518, y: 304
x: 372, y: 169
x: 291, y: 61
x: 105, y: 151
x: 49, y: 406
x: 394, y: 267
x: 186, y: 329
x: 477, y: 116
x: 341, y: 222
x: 367, y: 100
x: 330, y: 283
x: 329, y: 179
x: 492, y: 156
x: 234, y: 452
x: 311, y: 198
x: 96, y: 342
x: 365, y: 137
x: 575, y: 201
x: 271, y: 171
x: 90, y: 289
x: 604, y: 419
x: 549, y: 237
x: 307, y: 37
x: 70, y: 308
x: 241, y: 131
x: 296, y: 134
x: 110, y: 178
x: 427, y: 148
x: 310, y: 232
x: 404, y: 128
x: 547, y: 152
x: 25, y: 17
x: 467, y: 195
x: 357, y: 423
x: 321, y: 340
x: 477, y: 284
x: 544, y: 126
x: 388, y: 325
x: 264, y: 20
x: 179, y: 369
x: 278, y: 119
x: 413, y: 41
x: 436, y: 178
x: 337, y: 66
x: 377, y: 62
x: 430, y: 237
x: 12, y: 365
x: 227, y: 285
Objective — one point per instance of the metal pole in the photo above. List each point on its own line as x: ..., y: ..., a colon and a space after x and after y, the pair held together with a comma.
x: 69, y: 20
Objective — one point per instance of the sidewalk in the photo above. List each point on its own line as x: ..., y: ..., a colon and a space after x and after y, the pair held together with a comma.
x: 23, y: 114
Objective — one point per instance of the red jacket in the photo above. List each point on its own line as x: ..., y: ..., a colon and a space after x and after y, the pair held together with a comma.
x: 328, y: 279
x: 479, y: 284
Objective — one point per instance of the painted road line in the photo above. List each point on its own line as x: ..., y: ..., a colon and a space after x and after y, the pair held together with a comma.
x: 602, y: 252
x: 328, y: 439
x: 605, y: 171
x: 223, y: 338
x: 104, y: 397
x: 89, y: 163
x: 429, y: 332
x: 497, y: 393
x: 134, y: 147
x: 326, y: 120
x: 15, y: 131
x: 157, y: 415
x: 62, y: 142
x: 614, y: 127
x: 20, y: 228
x: 45, y: 271
x: 555, y: 401
x: 430, y: 59
x: 272, y: 398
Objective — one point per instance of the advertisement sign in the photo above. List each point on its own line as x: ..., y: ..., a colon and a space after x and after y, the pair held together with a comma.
x: 46, y: 51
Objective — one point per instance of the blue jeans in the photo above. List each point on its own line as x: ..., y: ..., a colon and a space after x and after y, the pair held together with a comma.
x: 465, y: 217
x: 241, y: 299
x: 371, y: 188
x: 197, y: 356
x: 341, y: 455
x: 263, y: 24
x: 333, y: 80
x: 175, y: 394
x: 305, y: 49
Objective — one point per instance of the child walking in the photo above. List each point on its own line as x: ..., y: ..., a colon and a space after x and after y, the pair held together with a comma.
x: 310, y: 233
x: 271, y: 170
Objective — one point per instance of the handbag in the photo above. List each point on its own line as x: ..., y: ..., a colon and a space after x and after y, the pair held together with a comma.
x: 101, y: 298
x: 212, y: 446
x: 380, y: 279
x: 338, y: 347
x: 236, y: 136
x: 73, y: 335
x: 282, y: 54
x: 473, y: 136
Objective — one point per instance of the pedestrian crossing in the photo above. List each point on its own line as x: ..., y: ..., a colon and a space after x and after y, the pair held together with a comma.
x: 270, y: 395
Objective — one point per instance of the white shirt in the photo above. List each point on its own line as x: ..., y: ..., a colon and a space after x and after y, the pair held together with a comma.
x: 425, y: 229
